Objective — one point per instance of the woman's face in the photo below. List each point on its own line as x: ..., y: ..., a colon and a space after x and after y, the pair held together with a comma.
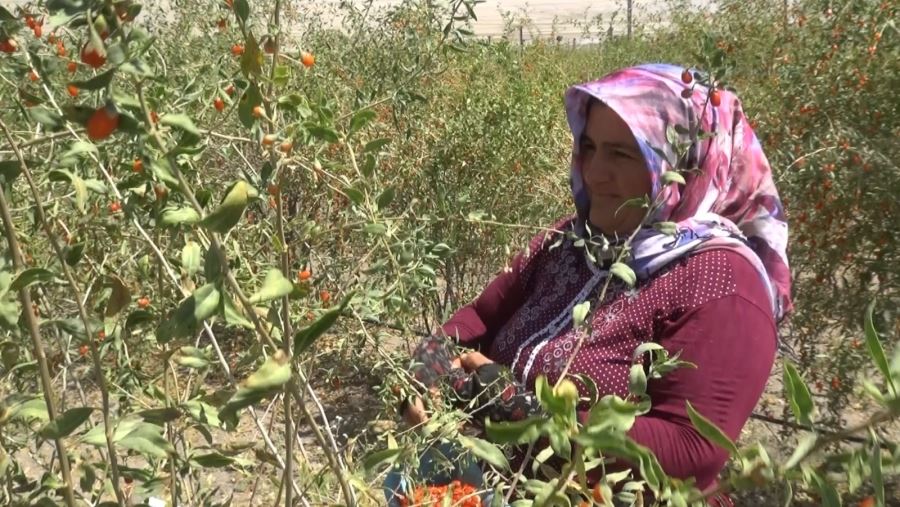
x: 613, y: 171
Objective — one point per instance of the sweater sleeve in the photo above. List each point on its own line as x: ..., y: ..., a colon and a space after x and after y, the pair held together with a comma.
x: 475, y: 324
x: 732, y: 342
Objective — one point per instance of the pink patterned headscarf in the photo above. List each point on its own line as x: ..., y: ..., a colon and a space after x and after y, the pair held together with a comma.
x: 731, y: 202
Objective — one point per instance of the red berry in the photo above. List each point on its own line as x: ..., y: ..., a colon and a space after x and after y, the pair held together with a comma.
x: 9, y: 45
x: 115, y: 207
x: 83, y: 350
x: 304, y: 275
x: 73, y: 90
x: 143, y: 302
x: 102, y: 123
x: 686, y: 76
x: 237, y: 50
x: 219, y: 104
x: 95, y: 57
x: 72, y: 67
x: 307, y: 59
x: 715, y: 98
x: 230, y: 90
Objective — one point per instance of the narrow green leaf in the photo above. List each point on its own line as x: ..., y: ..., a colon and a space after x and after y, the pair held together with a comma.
x: 178, y: 216
x: 637, y: 380
x: 213, y: 460
x: 231, y: 209
x: 308, y: 335
x: 31, y: 276
x: 875, y: 348
x: 233, y: 316
x: 375, y: 229
x: 376, y: 145
x: 274, y: 373
x: 667, y: 228
x: 580, y: 313
x: 798, y: 395
x: 97, y: 82
x: 382, y: 457
x: 672, y: 177
x: 147, y: 439
x: 386, y: 198
x: 486, y: 451
x: 323, y: 133
x: 274, y: 286
x: 875, y: 464
x: 191, y: 357
x: 242, y: 10
x: 711, y: 431
x: 518, y: 432
x: 65, y: 424
x: 624, y: 272
x: 191, y: 258
x: 182, y: 122
x: 805, y: 444
x: 361, y: 119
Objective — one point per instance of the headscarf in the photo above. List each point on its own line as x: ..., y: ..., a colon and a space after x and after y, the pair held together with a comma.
x: 731, y: 202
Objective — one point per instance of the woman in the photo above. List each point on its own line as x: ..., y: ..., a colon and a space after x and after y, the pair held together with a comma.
x: 714, y: 291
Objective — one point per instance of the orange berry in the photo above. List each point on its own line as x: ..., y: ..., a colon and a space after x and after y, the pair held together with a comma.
x: 715, y: 98
x: 219, y: 104
x: 38, y: 31
x: 154, y: 117
x: 307, y: 59
x: 597, y: 493
x: 102, y: 123
x: 269, y: 139
x: 304, y: 275
x: 101, y: 335
x: 325, y: 296
x: 286, y: 146
x: 33, y: 76
x: 72, y: 89
x: 230, y: 90
x: 137, y: 166
x: 143, y: 302
x: 83, y: 350
x: 61, y: 49
x: 237, y: 50
x: 9, y: 45
x: 835, y: 383
x: 95, y: 57
x: 868, y: 501
x: 29, y: 22
x: 72, y: 67
x: 115, y: 207
x: 258, y: 111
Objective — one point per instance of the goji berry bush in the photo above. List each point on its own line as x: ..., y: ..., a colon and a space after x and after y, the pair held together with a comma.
x: 217, y: 212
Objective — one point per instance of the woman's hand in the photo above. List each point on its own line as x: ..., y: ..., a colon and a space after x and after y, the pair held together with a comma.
x: 473, y: 360
x: 415, y: 413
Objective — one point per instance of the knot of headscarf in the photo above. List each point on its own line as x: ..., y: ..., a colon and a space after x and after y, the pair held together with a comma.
x: 731, y: 202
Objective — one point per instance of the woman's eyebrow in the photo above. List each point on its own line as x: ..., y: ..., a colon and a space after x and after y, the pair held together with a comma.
x: 585, y: 139
x: 622, y: 146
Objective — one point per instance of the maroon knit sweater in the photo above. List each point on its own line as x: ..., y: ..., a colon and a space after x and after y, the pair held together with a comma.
x: 712, y: 307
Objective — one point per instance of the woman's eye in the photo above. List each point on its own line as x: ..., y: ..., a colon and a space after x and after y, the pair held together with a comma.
x: 622, y: 154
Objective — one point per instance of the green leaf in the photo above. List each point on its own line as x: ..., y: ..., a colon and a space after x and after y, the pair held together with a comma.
x: 386, y: 198
x: 249, y: 99
x: 486, y: 451
x: 178, y: 216
x: 49, y: 119
x: 637, y: 380
x: 624, y: 272
x: 77, y: 184
x: 376, y: 145
x: 181, y: 122
x: 375, y: 229
x: 384, y: 456
x: 517, y: 432
x: 875, y: 348
x: 267, y: 380
x: 308, y: 335
x: 667, y: 228
x: 806, y: 443
x: 798, y: 395
x: 877, y: 479
x: 30, y: 277
x: 580, y: 313
x: 118, y: 298
x: 829, y: 496
x: 65, y: 424
x: 231, y: 209
x: 710, y: 431
x: 233, y: 316
x: 360, y: 120
x: 203, y: 413
x: 274, y: 286
x: 147, y: 439
x: 213, y: 460
x: 97, y: 82
x: 191, y: 258
x: 24, y: 408
x: 242, y: 10
x: 252, y: 60
x: 190, y: 314
x: 323, y: 133
x: 163, y: 171
x: 191, y: 357
x: 9, y: 171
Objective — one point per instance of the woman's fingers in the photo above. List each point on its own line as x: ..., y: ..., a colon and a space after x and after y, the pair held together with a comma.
x: 473, y: 360
x: 415, y: 413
